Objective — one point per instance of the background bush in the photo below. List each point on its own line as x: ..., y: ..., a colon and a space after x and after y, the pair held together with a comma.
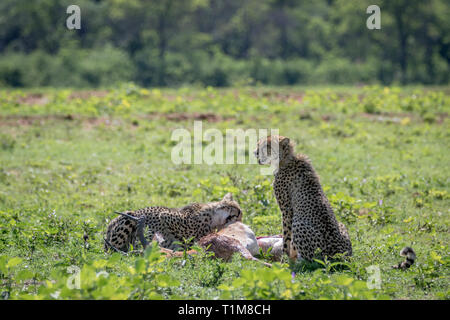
x: 223, y: 43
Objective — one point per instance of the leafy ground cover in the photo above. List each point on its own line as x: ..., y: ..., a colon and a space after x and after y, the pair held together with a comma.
x: 69, y: 159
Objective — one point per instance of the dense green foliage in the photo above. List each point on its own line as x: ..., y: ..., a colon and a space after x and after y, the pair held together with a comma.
x: 223, y: 42
x: 69, y: 159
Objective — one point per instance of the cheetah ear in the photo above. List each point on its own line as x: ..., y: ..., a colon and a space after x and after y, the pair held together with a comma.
x: 228, y: 197
x: 285, y: 141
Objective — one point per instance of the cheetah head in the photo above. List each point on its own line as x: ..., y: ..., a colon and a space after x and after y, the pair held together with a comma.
x: 225, y: 211
x: 273, y: 149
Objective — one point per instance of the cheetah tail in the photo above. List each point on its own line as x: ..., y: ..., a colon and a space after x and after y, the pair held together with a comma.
x: 108, y: 246
x: 410, y: 255
x: 127, y: 215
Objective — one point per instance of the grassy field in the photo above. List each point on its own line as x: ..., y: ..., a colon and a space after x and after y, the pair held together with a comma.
x: 69, y: 159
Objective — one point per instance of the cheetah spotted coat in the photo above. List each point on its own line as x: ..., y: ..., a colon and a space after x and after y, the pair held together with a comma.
x: 174, y: 225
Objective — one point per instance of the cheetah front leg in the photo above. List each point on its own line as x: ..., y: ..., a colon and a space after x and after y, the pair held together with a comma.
x: 287, y: 234
x: 284, y: 202
x: 287, y: 224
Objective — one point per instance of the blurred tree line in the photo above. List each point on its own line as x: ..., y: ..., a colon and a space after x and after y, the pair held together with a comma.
x: 223, y: 42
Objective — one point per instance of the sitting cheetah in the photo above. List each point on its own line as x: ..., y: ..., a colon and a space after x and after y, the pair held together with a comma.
x: 190, y: 222
x: 309, y: 223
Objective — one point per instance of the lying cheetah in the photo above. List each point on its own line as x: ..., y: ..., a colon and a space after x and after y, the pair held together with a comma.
x: 173, y: 225
x: 309, y: 223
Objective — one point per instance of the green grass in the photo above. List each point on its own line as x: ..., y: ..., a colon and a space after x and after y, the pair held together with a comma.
x: 69, y: 160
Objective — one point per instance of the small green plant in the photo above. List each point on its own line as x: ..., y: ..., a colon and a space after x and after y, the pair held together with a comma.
x: 430, y: 270
x: 280, y: 283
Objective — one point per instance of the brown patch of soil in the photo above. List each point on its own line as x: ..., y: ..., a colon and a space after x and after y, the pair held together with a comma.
x: 279, y: 96
x: 184, y: 116
x: 328, y: 117
x: 34, y: 99
x: 87, y: 94
x: 89, y: 122
x: 17, y: 120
